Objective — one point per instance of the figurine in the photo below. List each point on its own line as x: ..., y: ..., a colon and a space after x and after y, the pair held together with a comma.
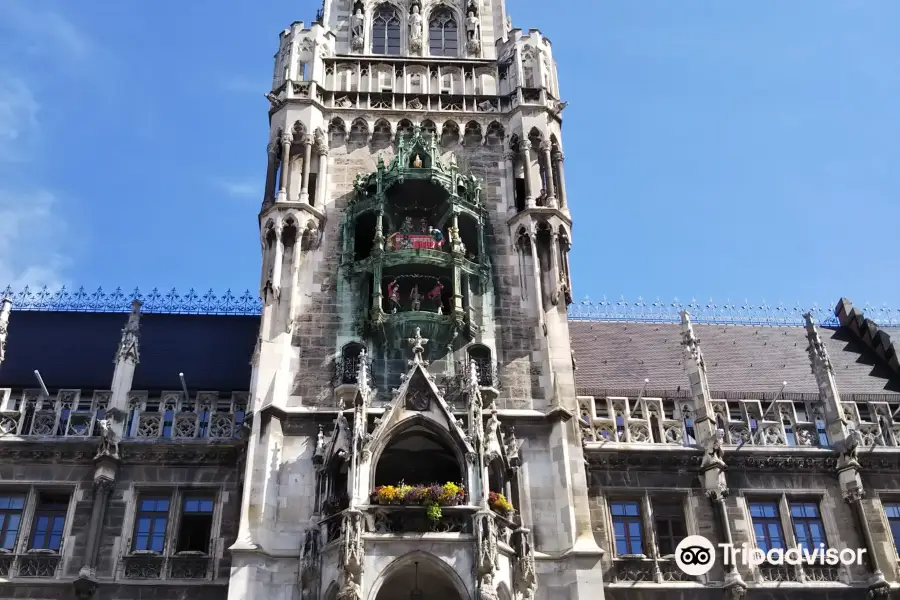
x: 357, y: 28
x: 472, y: 27
x: 437, y: 235
x: 417, y: 161
x: 435, y: 296
x: 415, y: 298
x: 407, y: 226
x: 394, y: 296
x: 415, y: 29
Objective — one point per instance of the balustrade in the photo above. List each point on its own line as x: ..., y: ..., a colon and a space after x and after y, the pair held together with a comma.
x: 37, y: 563
x: 642, y: 569
x: 174, y: 416
x: 68, y: 413
x: 786, y: 423
x: 151, y: 565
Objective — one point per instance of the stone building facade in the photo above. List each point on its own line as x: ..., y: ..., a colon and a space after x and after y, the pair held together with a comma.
x: 413, y: 408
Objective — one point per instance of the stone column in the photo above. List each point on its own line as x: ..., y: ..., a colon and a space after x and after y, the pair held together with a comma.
x: 554, y: 264
x: 279, y: 257
x: 536, y: 270
x: 307, y: 158
x: 525, y: 152
x: 286, y: 141
x: 322, y: 179
x: 271, y: 169
x: 509, y: 163
x: 846, y: 443
x: 5, y: 309
x: 548, y: 171
x: 559, y: 158
x: 86, y: 583
x: 712, y: 469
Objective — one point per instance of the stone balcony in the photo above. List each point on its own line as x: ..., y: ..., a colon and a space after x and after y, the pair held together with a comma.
x: 42, y: 564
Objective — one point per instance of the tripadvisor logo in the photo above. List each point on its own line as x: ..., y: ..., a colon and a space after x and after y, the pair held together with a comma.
x: 695, y: 556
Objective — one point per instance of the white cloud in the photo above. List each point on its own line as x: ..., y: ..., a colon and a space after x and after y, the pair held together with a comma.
x: 31, y: 234
x: 239, y: 188
x: 40, y: 30
x: 18, y: 118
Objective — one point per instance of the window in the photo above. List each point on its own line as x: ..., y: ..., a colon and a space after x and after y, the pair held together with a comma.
x: 668, y: 520
x: 195, y: 529
x: 150, y: 525
x: 386, y: 31
x: 192, y: 526
x: 49, y: 521
x: 892, y: 512
x: 767, y: 525
x: 808, y: 527
x: 627, y: 527
x: 443, y: 35
x: 11, y: 508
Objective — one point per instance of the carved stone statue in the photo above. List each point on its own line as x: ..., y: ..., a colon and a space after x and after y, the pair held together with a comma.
x: 472, y: 26
x: 848, y: 448
x: 109, y: 445
x: 487, y: 591
x: 415, y: 298
x: 358, y: 29
x: 415, y: 30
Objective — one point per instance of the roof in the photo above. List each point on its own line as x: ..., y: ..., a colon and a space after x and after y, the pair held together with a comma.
x: 76, y: 350
x: 740, y: 359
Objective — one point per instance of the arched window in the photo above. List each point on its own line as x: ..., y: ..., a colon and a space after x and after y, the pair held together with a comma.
x: 443, y: 35
x: 386, y: 31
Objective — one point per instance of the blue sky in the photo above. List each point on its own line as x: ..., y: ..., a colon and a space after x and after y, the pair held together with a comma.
x: 725, y: 150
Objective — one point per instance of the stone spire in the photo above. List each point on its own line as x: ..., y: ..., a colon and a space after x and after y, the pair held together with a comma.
x: 128, y: 345
x: 5, y: 309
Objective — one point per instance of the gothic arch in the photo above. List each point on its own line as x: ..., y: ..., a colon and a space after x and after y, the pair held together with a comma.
x: 503, y: 592
x: 359, y: 131
x: 535, y: 136
x: 332, y: 592
x: 337, y: 130
x: 494, y: 133
x: 436, y: 566
x: 418, y: 425
x: 381, y: 133
x: 472, y: 133
x: 298, y: 131
x: 429, y: 127
x: 404, y: 128
x: 450, y: 132
x: 386, y: 18
x: 447, y: 21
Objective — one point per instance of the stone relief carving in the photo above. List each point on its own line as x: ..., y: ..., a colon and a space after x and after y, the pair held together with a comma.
x: 524, y: 573
x: 486, y: 588
x: 487, y: 543
x: 357, y: 29
x: 109, y: 445
x: 415, y: 30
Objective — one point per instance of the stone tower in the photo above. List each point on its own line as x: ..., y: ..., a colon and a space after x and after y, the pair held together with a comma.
x: 413, y: 375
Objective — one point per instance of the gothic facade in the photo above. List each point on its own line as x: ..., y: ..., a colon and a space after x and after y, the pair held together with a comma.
x: 413, y: 407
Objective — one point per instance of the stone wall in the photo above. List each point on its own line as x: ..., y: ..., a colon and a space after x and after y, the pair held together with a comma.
x: 329, y: 318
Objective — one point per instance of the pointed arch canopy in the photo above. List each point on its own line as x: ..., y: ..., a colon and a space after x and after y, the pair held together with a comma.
x: 397, y: 580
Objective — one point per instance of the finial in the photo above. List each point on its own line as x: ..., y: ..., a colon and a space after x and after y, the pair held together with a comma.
x: 362, y: 374
x: 5, y: 308
x: 418, y: 346
x: 473, y: 373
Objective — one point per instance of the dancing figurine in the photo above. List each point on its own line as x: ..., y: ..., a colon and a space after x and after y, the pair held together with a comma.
x: 437, y: 235
x: 394, y: 296
x: 416, y: 298
x: 435, y: 296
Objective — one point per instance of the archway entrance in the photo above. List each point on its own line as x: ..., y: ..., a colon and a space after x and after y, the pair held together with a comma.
x: 419, y: 580
x: 417, y: 457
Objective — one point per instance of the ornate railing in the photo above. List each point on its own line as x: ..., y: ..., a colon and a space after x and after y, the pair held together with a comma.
x: 487, y: 373
x: 156, y: 301
x: 794, y: 422
x: 37, y: 564
x: 185, y: 566
x: 643, y: 569
x: 414, y: 519
x: 711, y: 312
x: 67, y: 414
x: 172, y: 416
x: 346, y: 369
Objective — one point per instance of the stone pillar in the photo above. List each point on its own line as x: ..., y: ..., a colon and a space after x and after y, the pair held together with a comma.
x: 846, y: 442
x: 5, y: 309
x: 271, y: 169
x: 538, y: 292
x: 509, y: 163
x: 548, y: 171
x: 712, y: 468
x: 286, y: 141
x: 559, y: 158
x: 525, y: 152
x: 554, y: 263
x: 322, y: 179
x: 279, y: 257
x: 304, y: 180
